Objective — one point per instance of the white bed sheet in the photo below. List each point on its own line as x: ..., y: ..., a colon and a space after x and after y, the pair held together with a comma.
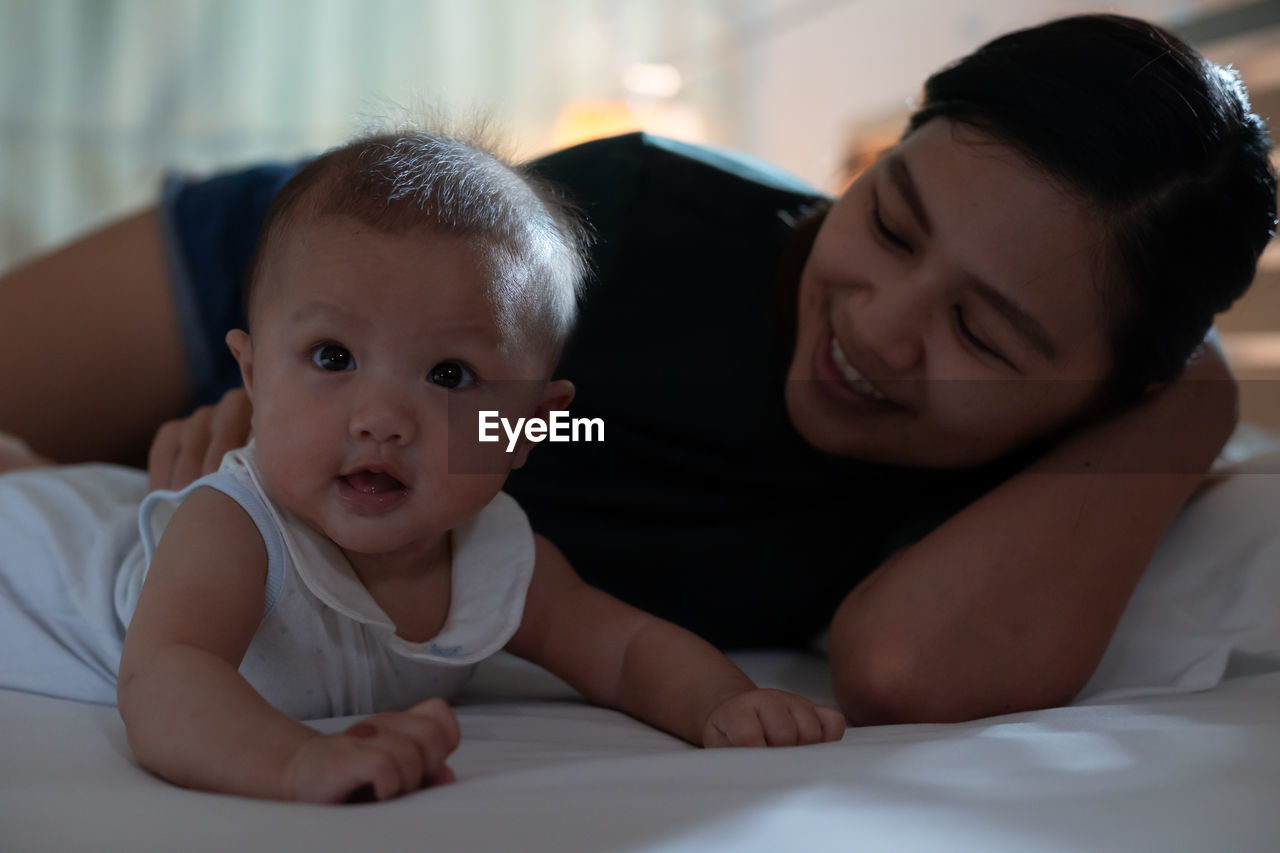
x: 1192, y: 772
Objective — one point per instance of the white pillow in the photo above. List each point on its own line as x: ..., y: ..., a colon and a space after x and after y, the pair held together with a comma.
x: 1208, y: 606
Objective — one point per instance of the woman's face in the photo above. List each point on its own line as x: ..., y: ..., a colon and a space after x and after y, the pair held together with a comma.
x: 951, y: 309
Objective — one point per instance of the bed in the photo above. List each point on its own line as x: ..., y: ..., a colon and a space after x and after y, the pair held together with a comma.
x: 1173, y: 746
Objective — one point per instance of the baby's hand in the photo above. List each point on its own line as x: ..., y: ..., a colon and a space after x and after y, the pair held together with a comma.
x: 378, y: 758
x: 764, y: 717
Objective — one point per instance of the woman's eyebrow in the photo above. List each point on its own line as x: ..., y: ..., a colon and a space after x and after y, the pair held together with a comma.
x: 901, y: 177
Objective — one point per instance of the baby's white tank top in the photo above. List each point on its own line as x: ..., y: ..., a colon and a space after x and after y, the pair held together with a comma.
x: 324, y: 647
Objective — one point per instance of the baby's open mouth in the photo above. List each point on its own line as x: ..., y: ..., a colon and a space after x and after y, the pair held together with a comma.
x: 372, y: 482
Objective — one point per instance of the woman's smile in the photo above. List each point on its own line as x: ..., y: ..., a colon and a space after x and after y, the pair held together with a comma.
x: 844, y: 382
x: 856, y: 380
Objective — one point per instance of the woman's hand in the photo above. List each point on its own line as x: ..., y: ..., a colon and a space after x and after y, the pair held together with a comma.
x: 384, y: 756
x: 186, y: 449
x: 764, y: 717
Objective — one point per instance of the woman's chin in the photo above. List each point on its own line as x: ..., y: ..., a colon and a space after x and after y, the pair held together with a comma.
x: 821, y: 428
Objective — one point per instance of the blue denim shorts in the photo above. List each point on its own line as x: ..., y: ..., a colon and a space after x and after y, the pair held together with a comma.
x: 209, y: 228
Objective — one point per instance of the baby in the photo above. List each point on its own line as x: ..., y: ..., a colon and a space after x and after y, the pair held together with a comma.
x: 358, y: 556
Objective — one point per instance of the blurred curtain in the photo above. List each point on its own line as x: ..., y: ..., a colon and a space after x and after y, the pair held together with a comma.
x: 98, y: 97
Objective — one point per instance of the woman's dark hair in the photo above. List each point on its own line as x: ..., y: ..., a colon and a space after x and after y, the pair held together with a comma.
x: 1161, y: 142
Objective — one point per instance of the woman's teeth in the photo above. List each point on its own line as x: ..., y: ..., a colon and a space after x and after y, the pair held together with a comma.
x: 851, y: 376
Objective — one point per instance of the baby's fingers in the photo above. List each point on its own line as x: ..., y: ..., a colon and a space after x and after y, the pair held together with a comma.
x: 435, y: 728
x: 420, y: 739
x: 833, y: 722
x: 808, y: 724
x: 400, y: 749
x: 347, y: 773
x: 444, y: 776
x: 778, y: 720
x: 772, y: 718
x: 816, y: 724
x: 442, y: 715
x: 737, y: 727
x: 374, y: 778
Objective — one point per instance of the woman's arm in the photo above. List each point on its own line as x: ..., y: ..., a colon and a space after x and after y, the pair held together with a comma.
x: 621, y: 657
x: 100, y: 358
x: 194, y: 720
x: 1009, y: 605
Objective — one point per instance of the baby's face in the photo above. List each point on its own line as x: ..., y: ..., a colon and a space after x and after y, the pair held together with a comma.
x: 370, y: 356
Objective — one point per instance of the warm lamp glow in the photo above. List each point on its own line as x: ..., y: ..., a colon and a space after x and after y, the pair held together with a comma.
x: 581, y: 121
x: 652, y: 80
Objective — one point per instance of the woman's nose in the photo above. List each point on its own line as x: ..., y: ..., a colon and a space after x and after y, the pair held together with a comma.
x: 890, y: 319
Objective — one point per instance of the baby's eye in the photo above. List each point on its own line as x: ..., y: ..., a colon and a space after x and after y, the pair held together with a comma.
x: 333, y: 357
x: 450, y: 374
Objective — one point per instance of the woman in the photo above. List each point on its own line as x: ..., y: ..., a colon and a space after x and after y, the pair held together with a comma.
x: 994, y: 318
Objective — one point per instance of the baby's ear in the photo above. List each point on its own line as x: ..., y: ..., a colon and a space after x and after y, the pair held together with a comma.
x: 556, y: 397
x: 242, y: 350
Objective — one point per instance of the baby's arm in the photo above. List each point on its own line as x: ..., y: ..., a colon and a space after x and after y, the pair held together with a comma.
x: 621, y: 657
x: 194, y: 720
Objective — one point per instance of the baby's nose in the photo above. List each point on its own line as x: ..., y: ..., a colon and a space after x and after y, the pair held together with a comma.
x: 382, y: 419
